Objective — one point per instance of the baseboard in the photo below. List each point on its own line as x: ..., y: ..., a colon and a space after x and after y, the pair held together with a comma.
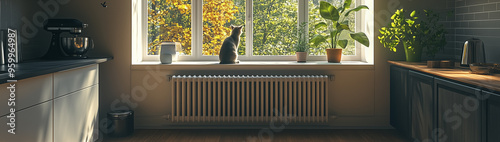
x: 262, y: 127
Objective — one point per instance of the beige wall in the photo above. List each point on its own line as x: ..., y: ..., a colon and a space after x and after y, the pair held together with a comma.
x: 361, y: 97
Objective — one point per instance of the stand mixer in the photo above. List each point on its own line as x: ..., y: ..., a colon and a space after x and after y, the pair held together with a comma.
x: 67, y: 47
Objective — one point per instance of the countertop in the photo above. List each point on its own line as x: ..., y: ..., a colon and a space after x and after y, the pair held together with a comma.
x: 34, y: 68
x: 459, y: 74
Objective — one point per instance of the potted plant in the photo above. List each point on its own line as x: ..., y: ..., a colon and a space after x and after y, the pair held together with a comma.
x: 335, y: 24
x: 418, y: 31
x: 301, y: 47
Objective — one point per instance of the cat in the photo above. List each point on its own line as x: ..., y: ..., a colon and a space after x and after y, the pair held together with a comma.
x: 229, y: 50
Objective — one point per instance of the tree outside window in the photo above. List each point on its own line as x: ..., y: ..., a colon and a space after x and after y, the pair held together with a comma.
x: 274, y: 25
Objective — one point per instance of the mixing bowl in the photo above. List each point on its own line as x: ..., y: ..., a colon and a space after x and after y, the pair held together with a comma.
x: 76, y: 46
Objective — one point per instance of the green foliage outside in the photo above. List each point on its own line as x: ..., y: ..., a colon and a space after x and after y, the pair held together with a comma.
x: 275, y: 25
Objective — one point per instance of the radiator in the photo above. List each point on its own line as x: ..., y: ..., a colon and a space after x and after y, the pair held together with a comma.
x: 249, y: 98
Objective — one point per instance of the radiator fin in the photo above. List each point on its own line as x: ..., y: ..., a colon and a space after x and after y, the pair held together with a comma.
x: 301, y: 98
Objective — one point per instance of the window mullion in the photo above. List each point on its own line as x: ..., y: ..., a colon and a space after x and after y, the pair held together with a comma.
x: 303, y: 13
x: 249, y: 28
x: 197, y: 28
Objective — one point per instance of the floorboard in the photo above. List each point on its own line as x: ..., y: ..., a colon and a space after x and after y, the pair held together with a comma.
x: 329, y: 135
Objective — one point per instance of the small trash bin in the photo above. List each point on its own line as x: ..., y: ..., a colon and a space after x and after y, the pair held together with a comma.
x: 122, y: 123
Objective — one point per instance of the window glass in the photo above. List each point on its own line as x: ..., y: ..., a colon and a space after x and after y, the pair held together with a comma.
x: 315, y: 18
x: 218, y: 16
x: 274, y: 27
x: 169, y: 21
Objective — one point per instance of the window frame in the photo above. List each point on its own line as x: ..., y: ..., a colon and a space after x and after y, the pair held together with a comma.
x: 140, y: 28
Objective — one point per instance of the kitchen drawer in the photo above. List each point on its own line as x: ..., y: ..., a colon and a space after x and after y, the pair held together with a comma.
x: 28, y: 92
x: 33, y: 124
x: 75, y: 115
x: 73, y: 80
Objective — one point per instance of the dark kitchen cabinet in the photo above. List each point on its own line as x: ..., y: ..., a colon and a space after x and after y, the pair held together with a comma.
x: 399, y: 100
x: 420, y: 90
x: 492, y: 116
x: 459, y: 112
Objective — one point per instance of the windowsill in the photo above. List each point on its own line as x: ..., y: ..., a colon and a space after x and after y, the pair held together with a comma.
x: 250, y: 63
x: 214, y: 65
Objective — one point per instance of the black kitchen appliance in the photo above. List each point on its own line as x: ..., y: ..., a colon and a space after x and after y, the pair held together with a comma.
x: 73, y: 47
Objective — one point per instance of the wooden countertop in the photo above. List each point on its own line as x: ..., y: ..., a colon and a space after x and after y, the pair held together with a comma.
x: 460, y: 74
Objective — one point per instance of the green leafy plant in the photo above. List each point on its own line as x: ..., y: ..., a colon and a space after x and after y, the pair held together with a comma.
x: 336, y: 23
x: 419, y: 30
x: 301, y: 45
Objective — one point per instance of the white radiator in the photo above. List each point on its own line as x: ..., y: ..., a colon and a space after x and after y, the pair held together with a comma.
x: 249, y: 98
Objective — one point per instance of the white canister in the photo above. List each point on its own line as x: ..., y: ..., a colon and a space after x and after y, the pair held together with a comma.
x: 168, y: 52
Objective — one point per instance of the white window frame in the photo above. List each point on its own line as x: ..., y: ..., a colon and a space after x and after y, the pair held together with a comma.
x: 140, y: 35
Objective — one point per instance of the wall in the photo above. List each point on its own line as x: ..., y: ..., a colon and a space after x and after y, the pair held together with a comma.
x: 478, y: 19
x: 17, y: 14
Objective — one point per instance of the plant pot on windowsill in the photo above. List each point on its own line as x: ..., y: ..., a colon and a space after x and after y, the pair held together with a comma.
x: 334, y: 55
x: 301, y: 57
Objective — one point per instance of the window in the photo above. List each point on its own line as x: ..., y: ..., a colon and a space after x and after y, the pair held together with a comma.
x: 202, y: 25
x: 315, y: 18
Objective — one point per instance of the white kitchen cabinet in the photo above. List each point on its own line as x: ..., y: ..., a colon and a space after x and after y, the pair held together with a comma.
x: 56, y: 107
x: 75, y: 115
x: 33, y: 124
x: 28, y: 92
x: 73, y: 80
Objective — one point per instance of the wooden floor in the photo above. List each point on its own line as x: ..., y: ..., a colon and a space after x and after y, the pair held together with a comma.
x: 253, y: 136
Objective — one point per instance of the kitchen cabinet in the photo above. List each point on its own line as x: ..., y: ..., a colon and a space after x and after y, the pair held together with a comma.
x: 447, y: 105
x: 76, y: 103
x: 72, y: 80
x: 459, y: 112
x: 25, y: 91
x: 420, y: 90
x: 399, y: 100
x: 492, y: 116
x: 56, y: 107
x: 75, y: 115
x: 32, y: 124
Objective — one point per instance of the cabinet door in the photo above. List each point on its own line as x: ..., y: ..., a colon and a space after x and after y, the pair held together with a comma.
x: 492, y: 117
x: 72, y: 80
x: 459, y: 112
x: 400, y: 108
x: 33, y: 124
x: 421, y: 89
x: 74, y: 115
x: 28, y: 92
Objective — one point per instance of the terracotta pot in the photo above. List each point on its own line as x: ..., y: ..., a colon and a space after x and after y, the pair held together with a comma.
x: 301, y: 56
x: 334, y: 55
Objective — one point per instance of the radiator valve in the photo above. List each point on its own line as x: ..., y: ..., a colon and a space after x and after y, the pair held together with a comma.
x: 166, y: 117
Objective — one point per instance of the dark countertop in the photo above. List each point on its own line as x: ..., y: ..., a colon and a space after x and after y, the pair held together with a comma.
x: 35, y: 68
x: 459, y: 74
